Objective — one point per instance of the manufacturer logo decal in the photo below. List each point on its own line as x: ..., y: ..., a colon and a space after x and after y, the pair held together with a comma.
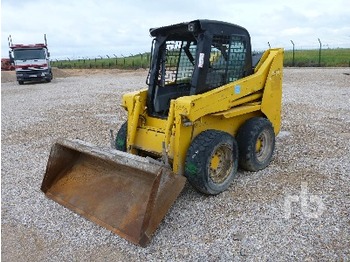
x: 237, y: 89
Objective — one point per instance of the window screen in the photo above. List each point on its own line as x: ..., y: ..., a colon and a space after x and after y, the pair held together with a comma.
x: 226, y: 61
x: 177, y: 62
x: 237, y: 58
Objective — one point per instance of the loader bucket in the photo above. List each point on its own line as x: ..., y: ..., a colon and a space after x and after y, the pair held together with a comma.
x: 124, y: 193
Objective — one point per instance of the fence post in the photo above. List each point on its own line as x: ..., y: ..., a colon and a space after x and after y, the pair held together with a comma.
x: 293, y: 52
x: 319, y: 53
x: 124, y: 59
x: 116, y: 60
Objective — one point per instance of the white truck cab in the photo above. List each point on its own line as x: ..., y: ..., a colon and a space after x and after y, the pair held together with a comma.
x: 31, y: 61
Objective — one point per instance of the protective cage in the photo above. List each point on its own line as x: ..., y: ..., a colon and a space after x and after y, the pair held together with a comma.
x: 192, y: 58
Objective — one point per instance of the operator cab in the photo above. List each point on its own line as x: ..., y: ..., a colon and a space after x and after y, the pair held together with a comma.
x: 193, y: 58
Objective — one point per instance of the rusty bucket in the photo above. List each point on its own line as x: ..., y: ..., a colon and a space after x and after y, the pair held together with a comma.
x: 127, y: 194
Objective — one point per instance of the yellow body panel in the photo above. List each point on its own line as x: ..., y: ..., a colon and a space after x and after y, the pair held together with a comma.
x: 240, y: 110
x: 149, y: 139
x: 228, y: 125
x: 225, y: 108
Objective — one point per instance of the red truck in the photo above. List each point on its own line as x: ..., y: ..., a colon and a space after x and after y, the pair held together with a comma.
x: 31, y: 61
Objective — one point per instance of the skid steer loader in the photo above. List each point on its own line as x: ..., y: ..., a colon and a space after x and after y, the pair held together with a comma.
x: 210, y: 107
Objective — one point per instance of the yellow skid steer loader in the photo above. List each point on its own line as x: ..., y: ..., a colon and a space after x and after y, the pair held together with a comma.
x: 210, y: 106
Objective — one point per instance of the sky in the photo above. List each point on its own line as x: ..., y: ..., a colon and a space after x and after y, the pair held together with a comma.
x: 92, y: 28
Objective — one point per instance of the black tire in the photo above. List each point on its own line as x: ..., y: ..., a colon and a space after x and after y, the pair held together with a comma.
x: 212, y: 161
x: 120, y: 140
x: 256, y: 143
x: 49, y: 78
x: 20, y: 82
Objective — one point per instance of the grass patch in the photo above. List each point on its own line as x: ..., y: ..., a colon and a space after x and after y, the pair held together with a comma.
x: 339, y: 57
x: 130, y: 62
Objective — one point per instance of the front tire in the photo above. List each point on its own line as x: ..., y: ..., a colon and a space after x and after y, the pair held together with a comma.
x: 120, y: 140
x: 256, y: 143
x: 49, y: 78
x: 212, y: 161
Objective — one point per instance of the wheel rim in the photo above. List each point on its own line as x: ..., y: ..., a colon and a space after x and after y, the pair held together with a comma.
x: 263, y: 146
x: 221, y: 164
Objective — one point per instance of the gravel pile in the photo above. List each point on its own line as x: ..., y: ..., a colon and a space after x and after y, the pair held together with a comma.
x: 298, y: 208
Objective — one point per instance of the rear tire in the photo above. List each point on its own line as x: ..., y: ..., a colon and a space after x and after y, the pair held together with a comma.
x: 120, y: 140
x: 256, y: 143
x: 20, y: 82
x: 212, y: 162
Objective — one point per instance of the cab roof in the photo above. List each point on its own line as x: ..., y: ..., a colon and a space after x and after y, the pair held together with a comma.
x: 198, y: 26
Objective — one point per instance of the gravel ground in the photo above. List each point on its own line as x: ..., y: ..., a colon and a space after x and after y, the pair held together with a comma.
x: 298, y: 208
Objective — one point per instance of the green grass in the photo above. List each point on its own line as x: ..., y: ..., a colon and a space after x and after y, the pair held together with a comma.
x: 130, y: 62
x: 339, y: 57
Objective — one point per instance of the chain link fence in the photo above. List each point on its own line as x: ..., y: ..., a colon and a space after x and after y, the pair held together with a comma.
x: 107, y: 62
x: 296, y: 57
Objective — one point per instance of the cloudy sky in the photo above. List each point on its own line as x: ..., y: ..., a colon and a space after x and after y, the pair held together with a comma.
x: 90, y: 28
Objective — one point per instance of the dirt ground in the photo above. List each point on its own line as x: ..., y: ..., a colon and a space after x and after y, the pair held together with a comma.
x: 298, y: 208
x: 10, y: 76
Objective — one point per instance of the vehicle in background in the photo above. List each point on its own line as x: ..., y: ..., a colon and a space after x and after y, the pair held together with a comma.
x: 31, y: 61
x: 6, y: 65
